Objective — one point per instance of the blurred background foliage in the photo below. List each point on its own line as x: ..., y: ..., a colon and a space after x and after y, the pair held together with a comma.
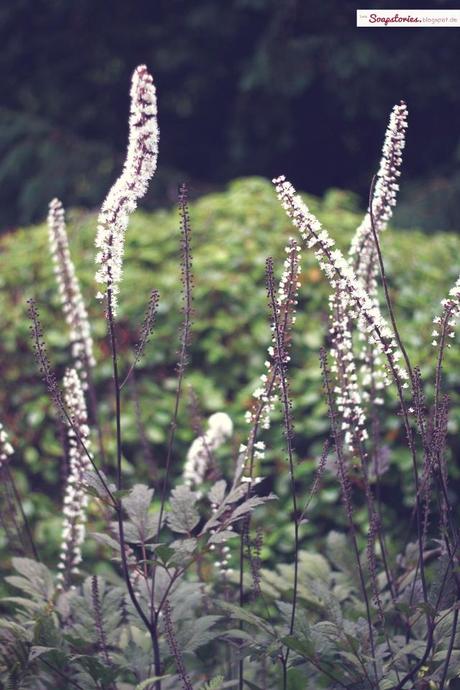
x: 246, y: 87
x: 233, y: 232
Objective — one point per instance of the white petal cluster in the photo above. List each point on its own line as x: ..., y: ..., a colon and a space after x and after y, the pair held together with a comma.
x: 342, y: 277
x: 75, y: 497
x: 121, y: 201
x: 69, y: 290
x: 347, y: 389
x: 220, y: 427
x: 444, y: 325
x: 6, y: 449
x: 222, y: 552
x: 363, y: 254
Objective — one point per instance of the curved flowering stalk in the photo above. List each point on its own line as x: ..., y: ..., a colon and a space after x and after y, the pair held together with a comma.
x: 283, y: 303
x: 73, y: 306
x: 361, y: 308
x: 75, y: 497
x: 220, y: 427
x: 363, y: 252
x: 121, y: 201
x: 343, y: 278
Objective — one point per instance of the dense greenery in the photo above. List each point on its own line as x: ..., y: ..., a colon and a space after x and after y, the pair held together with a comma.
x: 233, y: 232
x: 356, y: 625
x: 245, y: 86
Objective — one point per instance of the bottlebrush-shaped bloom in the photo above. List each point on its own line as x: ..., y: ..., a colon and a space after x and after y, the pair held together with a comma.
x: 347, y: 391
x: 342, y: 278
x: 6, y: 449
x: 121, y: 201
x: 363, y: 253
x: 220, y: 427
x: 75, y: 497
x: 362, y: 249
x: 69, y: 290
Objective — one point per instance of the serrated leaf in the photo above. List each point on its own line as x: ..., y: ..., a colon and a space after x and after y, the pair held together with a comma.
x: 219, y: 537
x: 249, y: 505
x: 95, y: 485
x: 303, y: 647
x: 248, y: 617
x: 106, y: 540
x: 183, y: 516
x: 217, y: 492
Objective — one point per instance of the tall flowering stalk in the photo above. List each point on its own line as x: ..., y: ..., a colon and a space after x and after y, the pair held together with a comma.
x: 343, y: 278
x: 69, y: 291
x: 354, y: 387
x: 362, y: 250
x: 273, y: 385
x: 75, y: 497
x: 121, y: 201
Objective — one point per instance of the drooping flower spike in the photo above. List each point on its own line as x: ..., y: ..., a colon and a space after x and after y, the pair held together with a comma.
x: 69, y: 291
x: 122, y: 199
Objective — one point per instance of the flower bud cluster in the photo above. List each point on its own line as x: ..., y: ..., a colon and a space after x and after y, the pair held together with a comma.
x: 75, y: 497
x: 266, y: 394
x: 222, y: 551
x: 121, y: 201
x: 6, y: 449
x: 342, y: 278
x: 245, y: 465
x: 220, y: 427
x: 444, y: 325
x: 69, y: 290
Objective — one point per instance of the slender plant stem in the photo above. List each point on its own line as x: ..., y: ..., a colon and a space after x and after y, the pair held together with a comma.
x: 127, y: 577
x: 289, y: 434
x: 23, y: 514
x: 348, y: 509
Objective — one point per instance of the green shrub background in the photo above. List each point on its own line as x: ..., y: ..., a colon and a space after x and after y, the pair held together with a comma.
x: 233, y: 233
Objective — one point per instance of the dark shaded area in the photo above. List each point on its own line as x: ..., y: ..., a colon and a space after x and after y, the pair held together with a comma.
x: 245, y: 86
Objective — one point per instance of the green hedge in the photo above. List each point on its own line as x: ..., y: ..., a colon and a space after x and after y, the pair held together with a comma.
x: 233, y: 233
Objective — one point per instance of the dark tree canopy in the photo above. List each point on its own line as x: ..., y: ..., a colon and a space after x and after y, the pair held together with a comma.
x: 245, y: 87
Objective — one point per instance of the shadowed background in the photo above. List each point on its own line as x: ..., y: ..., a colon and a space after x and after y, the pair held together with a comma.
x: 245, y: 86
